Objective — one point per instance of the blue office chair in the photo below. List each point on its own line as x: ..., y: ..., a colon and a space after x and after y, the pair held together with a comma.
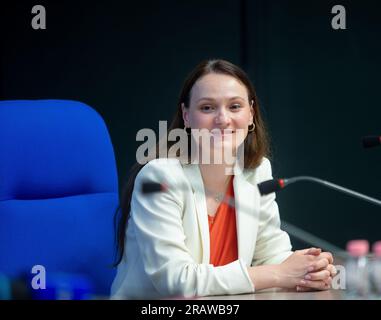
x: 58, y: 191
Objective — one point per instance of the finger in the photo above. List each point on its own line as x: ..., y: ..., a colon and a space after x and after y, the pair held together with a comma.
x: 320, y: 264
x: 327, y: 255
x: 314, y: 251
x: 328, y: 281
x: 332, y: 269
x: 306, y: 251
x: 303, y: 289
x: 317, y: 285
x: 319, y: 275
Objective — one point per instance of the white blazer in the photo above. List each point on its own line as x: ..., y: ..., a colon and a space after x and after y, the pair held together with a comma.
x: 167, y: 243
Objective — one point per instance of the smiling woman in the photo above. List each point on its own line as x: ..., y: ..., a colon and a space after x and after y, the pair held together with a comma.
x: 210, y: 232
x: 219, y: 104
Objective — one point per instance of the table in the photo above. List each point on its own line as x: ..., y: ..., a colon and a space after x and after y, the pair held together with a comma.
x: 278, y: 294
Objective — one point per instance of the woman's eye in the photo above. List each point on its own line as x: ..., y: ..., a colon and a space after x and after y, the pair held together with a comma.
x: 235, y: 106
x: 206, y: 108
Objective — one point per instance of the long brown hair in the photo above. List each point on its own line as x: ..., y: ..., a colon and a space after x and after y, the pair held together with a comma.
x: 256, y: 146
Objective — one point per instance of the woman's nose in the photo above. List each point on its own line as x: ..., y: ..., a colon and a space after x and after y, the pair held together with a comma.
x: 222, y: 118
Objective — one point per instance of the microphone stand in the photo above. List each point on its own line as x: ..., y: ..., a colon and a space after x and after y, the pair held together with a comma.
x: 332, y: 186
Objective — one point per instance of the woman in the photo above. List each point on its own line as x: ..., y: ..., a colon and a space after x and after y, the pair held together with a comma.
x: 211, y: 233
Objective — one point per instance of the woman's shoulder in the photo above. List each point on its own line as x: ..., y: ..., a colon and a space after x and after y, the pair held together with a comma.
x: 166, y: 173
x: 161, y: 168
x: 163, y: 163
x: 265, y: 165
x: 261, y: 173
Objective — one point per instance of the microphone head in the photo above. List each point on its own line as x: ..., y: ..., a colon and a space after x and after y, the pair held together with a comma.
x: 152, y: 187
x: 371, y: 141
x: 270, y: 186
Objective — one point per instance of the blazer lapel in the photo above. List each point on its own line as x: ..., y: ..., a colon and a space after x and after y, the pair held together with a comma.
x: 193, y: 174
x: 247, y: 202
x: 246, y: 196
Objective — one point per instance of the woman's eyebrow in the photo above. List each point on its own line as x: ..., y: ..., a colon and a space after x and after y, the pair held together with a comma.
x: 209, y: 99
x: 212, y: 99
x: 237, y: 97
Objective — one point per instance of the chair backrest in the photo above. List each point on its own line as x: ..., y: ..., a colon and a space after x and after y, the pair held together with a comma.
x: 58, y: 190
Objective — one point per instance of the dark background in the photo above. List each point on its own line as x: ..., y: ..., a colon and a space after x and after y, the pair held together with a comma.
x: 319, y: 88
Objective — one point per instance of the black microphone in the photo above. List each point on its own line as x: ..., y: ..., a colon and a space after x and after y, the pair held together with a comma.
x: 270, y: 186
x: 274, y: 185
x: 371, y: 141
x: 153, y: 187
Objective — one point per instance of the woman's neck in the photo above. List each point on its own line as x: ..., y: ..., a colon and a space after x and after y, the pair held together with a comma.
x: 215, y: 176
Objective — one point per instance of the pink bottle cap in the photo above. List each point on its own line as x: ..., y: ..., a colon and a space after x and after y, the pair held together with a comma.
x: 357, y: 248
x: 376, y: 249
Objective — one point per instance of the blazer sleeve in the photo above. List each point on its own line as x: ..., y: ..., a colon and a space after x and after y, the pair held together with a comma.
x: 157, y: 219
x: 273, y: 245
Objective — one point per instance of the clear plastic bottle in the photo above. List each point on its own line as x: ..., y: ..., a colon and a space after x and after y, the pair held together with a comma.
x: 357, y: 270
x: 376, y: 270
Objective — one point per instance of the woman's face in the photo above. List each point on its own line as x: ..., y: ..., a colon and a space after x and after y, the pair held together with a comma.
x: 219, y: 103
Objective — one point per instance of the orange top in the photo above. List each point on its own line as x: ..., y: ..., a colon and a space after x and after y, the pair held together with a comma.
x: 223, y: 232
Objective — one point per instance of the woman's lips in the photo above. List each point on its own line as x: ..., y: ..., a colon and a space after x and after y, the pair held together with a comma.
x: 222, y: 132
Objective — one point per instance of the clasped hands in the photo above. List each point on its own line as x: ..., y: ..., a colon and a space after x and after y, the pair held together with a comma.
x: 308, y: 269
